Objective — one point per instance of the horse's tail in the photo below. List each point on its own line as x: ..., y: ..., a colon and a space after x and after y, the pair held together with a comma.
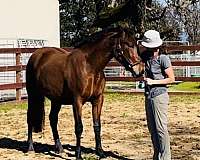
x: 35, y: 115
x: 36, y: 111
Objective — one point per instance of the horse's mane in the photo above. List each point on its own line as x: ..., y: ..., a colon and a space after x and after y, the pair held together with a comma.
x: 98, y: 35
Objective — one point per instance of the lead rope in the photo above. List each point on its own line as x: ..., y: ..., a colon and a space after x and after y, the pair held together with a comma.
x: 147, y: 87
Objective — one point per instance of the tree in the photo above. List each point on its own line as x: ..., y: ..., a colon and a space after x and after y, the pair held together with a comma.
x: 189, y: 14
x: 191, y: 22
x: 75, y: 19
x: 80, y: 18
x: 130, y: 12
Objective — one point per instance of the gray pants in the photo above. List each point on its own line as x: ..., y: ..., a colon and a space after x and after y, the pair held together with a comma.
x: 156, y: 112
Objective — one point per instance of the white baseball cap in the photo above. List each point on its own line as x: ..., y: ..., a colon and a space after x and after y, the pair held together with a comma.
x: 151, y: 39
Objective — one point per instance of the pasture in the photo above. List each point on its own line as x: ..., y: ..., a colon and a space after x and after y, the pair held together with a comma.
x: 124, y: 130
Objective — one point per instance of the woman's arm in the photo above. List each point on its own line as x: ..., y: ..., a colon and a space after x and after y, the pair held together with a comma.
x: 169, y: 79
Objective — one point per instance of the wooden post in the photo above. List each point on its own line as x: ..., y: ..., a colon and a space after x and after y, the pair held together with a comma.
x: 18, y: 76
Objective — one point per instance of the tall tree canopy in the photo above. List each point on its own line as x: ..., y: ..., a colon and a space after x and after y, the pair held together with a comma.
x: 175, y: 19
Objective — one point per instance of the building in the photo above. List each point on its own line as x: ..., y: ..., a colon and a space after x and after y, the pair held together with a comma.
x: 28, y: 19
x: 26, y: 24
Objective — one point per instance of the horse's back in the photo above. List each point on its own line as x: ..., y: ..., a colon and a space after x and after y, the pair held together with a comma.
x: 46, y: 51
x: 44, y: 56
x: 45, y: 69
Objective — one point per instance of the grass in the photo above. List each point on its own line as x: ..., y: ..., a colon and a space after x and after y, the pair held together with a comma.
x: 186, y: 86
x: 7, y: 106
x: 183, y: 86
x: 120, y: 97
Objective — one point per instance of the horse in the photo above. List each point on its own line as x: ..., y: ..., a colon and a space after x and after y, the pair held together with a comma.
x: 74, y: 78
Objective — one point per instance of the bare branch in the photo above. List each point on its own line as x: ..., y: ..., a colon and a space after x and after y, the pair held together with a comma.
x: 157, y: 17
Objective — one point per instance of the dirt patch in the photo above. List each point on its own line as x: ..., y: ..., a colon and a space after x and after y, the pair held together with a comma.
x: 124, y: 131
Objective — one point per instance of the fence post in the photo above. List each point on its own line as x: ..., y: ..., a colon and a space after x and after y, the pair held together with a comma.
x: 18, y: 75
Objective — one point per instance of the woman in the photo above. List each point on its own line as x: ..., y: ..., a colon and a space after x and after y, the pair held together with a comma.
x: 158, y: 73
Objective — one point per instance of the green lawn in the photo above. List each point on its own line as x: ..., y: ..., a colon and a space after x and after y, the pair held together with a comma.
x: 186, y: 86
x: 7, y: 106
x: 109, y: 97
x: 182, y: 86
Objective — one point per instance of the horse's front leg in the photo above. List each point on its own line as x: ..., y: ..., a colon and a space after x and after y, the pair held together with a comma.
x: 53, y: 117
x: 96, y: 112
x: 77, y: 110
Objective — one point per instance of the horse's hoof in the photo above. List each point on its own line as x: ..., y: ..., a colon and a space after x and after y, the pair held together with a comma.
x: 30, y: 148
x: 58, y: 147
x: 100, y: 153
x: 58, y: 151
x: 78, y: 155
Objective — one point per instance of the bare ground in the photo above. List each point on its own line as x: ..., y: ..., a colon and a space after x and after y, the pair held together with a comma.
x: 124, y: 131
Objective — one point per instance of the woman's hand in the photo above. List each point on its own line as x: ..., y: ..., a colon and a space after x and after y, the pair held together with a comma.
x: 149, y: 81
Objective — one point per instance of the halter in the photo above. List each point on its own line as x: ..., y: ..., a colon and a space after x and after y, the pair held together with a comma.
x: 119, y: 55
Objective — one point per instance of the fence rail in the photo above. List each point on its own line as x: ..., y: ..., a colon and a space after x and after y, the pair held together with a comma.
x: 172, y: 48
x: 18, y: 85
x: 174, y: 63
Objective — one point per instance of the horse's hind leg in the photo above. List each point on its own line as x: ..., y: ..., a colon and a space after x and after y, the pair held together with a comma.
x: 96, y: 112
x: 30, y: 127
x: 53, y: 117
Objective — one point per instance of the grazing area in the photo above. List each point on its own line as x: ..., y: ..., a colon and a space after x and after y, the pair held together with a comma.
x: 124, y: 130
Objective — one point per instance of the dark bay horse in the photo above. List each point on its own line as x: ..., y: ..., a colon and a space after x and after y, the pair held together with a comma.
x: 74, y: 78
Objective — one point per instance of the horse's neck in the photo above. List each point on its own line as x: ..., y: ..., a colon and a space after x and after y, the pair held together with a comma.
x: 99, y: 55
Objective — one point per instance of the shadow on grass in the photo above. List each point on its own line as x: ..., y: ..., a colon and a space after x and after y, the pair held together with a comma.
x: 8, y: 143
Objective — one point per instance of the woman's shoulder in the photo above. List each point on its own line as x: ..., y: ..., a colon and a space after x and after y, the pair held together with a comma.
x: 165, y: 60
x: 164, y: 57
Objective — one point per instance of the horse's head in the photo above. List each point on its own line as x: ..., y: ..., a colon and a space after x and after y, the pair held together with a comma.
x: 126, y: 52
